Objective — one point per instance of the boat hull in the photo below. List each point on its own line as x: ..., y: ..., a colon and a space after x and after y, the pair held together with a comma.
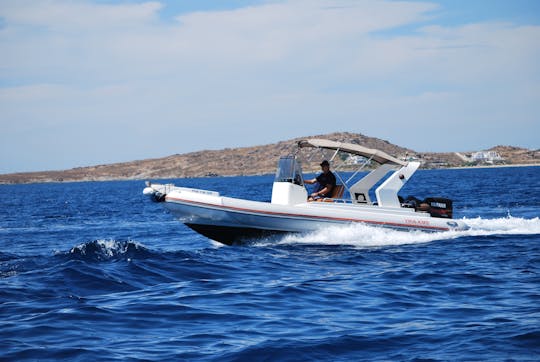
x: 232, y: 235
x: 230, y: 220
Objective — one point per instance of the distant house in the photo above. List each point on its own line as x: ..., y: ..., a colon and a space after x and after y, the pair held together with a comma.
x: 355, y: 160
x: 486, y: 157
x: 409, y: 158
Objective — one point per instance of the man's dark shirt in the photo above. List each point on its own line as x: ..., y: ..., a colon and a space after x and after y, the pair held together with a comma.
x: 326, y: 179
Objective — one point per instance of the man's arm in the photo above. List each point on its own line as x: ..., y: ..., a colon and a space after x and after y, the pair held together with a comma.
x: 324, y: 191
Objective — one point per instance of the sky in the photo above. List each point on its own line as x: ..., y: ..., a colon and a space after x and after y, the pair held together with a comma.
x: 95, y: 82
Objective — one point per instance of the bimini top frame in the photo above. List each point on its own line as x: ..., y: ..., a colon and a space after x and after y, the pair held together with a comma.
x: 369, y: 153
x: 386, y: 193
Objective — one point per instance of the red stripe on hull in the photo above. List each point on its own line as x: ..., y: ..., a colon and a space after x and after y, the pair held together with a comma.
x: 330, y: 218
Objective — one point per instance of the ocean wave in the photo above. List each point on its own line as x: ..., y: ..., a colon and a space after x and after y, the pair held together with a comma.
x: 103, y: 250
x: 361, y: 235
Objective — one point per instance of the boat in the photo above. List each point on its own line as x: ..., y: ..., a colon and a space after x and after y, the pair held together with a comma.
x: 368, y: 198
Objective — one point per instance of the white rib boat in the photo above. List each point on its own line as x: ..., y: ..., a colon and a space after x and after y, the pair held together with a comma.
x: 232, y: 220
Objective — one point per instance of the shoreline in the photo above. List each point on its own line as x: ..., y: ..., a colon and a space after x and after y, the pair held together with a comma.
x: 490, y: 166
x: 106, y: 179
x: 250, y: 161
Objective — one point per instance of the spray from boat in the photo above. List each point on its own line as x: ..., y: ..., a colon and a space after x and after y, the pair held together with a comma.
x: 365, y: 236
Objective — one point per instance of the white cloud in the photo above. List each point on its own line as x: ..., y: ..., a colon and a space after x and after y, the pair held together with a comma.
x: 259, y: 74
x: 63, y: 15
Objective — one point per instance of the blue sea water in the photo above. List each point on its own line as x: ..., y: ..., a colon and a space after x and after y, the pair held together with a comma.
x: 94, y: 271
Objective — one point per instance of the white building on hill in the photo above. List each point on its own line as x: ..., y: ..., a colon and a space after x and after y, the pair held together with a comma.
x: 486, y: 156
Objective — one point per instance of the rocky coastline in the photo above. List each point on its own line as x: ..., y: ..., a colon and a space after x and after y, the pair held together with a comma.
x: 256, y: 160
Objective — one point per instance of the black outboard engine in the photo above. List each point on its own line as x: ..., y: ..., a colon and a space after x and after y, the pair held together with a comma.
x: 439, y: 207
x: 436, y: 206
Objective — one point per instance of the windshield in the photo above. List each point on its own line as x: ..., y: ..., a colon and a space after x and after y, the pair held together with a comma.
x: 289, y: 170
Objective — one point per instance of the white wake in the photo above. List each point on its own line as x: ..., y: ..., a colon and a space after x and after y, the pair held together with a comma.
x: 368, y: 236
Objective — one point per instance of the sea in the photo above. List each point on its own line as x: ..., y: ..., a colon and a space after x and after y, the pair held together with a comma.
x: 95, y: 271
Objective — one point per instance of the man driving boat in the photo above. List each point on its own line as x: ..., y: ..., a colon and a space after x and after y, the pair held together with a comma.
x: 326, y: 182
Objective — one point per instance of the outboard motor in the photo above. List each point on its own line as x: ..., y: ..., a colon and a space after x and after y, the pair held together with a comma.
x: 439, y: 207
x: 436, y: 206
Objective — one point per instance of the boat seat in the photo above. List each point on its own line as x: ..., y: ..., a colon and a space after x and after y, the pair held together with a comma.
x: 337, y: 193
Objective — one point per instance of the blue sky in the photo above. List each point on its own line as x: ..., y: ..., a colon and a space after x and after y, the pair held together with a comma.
x: 94, y: 82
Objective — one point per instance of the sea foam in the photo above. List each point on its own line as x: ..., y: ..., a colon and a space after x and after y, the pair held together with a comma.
x: 361, y: 235
x: 108, y: 249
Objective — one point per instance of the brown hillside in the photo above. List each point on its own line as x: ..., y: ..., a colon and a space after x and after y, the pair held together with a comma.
x: 254, y: 160
x: 231, y: 161
x: 517, y: 155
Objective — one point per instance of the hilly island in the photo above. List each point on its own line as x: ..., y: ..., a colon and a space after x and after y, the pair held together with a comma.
x: 258, y: 160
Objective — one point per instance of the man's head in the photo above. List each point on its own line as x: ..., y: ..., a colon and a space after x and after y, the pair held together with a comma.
x: 325, y: 165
